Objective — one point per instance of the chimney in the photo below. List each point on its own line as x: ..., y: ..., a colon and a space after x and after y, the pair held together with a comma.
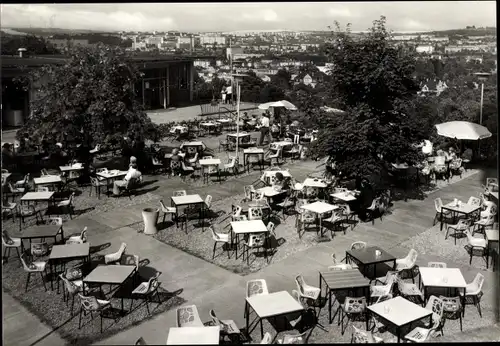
x: 21, y: 52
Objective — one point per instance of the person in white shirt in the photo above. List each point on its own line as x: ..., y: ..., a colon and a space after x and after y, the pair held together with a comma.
x: 132, y: 173
x: 264, y: 129
x: 229, y: 94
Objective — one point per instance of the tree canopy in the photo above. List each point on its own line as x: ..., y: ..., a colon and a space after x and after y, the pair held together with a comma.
x: 91, y: 98
x: 372, y: 80
x: 34, y: 44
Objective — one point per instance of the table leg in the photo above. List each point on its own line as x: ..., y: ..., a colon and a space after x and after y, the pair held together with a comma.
x: 245, y: 162
x: 329, y: 305
x: 247, y: 316
x: 202, y: 216
x: 261, y: 329
x: 51, y: 275
x: 237, y: 243
x: 441, y: 219
x: 398, y: 332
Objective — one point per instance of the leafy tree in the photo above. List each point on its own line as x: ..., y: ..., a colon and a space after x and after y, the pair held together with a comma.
x: 282, y: 79
x: 35, y: 45
x: 91, y: 98
x: 373, y: 81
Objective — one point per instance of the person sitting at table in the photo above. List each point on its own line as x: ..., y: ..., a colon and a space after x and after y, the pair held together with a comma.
x: 133, y: 160
x: 132, y: 173
x: 278, y: 181
x: 452, y: 155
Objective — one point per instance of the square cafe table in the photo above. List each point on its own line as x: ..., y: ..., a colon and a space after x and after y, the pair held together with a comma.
x: 341, y: 280
x: 320, y: 208
x: 199, y: 145
x: 399, y: 312
x: 237, y: 135
x: 344, y: 196
x: 109, y: 274
x: 67, y: 252
x: 187, y: 200
x: 111, y: 175
x: 47, y: 180
x: 271, y: 305
x: 246, y: 227
x: 367, y: 256
x: 41, y: 232
x: 253, y: 151
x: 491, y: 237
x: 194, y: 335
x: 71, y: 168
x: 37, y: 196
x: 210, y: 162
x: 270, y: 192
x: 449, y: 278
x: 462, y: 208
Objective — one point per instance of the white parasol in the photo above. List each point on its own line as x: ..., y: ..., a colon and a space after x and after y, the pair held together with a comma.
x: 282, y: 103
x: 463, y: 130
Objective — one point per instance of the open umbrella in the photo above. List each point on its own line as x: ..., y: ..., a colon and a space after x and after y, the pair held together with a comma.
x: 463, y: 130
x: 282, y: 103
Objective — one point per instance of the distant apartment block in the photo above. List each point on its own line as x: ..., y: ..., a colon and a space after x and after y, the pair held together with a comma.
x: 428, y: 49
x: 460, y: 48
x: 156, y: 40
x: 231, y: 52
x: 211, y: 40
x: 185, y: 42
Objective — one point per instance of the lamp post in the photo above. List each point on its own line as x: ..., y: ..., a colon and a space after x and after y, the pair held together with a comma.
x: 237, y: 78
x: 482, y: 77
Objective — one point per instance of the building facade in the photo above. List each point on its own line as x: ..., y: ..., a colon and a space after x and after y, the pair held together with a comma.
x: 166, y: 82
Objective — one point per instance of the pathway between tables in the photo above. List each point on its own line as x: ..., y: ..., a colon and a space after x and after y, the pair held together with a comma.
x: 209, y: 286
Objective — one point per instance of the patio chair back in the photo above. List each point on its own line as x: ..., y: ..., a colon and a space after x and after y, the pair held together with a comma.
x: 191, y: 150
x: 175, y: 165
x: 267, y: 339
x: 215, y: 235
x: 153, y: 283
x: 42, y: 189
x: 39, y: 249
x: 83, y: 235
x: 255, y: 213
x: 101, y: 170
x: 301, y: 284
x: 258, y: 196
x: 207, y: 157
x: 240, y: 218
x: 271, y: 227
x: 296, y: 296
x: 208, y: 201
x: 256, y: 287
x: 436, y: 265
x: 436, y: 306
x: 89, y: 303
x: 140, y: 341
x: 358, y: 245
x: 71, y: 288
x: 491, y: 181
x: 474, y: 201
x: 438, y: 204
x: 236, y: 210
x: 248, y: 191
x: 476, y: 285
x: 355, y: 305
x: 130, y: 260
x: 179, y: 193
x: 188, y: 316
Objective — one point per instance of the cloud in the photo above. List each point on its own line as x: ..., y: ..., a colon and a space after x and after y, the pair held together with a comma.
x: 267, y: 15
x: 339, y: 12
x: 45, y: 16
x: 412, y: 15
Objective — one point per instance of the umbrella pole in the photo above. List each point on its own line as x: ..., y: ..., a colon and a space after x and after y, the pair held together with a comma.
x: 238, y: 121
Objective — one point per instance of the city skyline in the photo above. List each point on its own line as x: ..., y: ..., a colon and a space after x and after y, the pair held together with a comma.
x: 227, y: 17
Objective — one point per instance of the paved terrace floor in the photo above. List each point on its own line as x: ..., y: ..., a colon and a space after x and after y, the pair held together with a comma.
x: 209, y: 286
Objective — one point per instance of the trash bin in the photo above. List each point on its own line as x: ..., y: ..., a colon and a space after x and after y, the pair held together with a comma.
x: 150, y: 218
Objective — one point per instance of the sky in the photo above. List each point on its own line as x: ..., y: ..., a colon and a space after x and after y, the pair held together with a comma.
x: 401, y: 16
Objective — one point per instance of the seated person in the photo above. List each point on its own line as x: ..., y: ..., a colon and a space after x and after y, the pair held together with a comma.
x: 132, y: 173
x: 278, y: 182
x: 452, y: 155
